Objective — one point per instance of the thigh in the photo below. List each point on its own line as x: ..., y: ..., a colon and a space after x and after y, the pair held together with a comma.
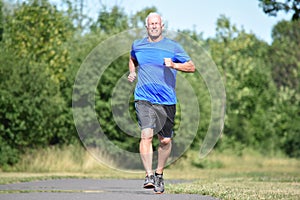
x: 145, y: 114
x: 165, y: 120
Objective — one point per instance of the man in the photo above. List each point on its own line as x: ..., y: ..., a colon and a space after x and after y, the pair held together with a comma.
x: 157, y: 60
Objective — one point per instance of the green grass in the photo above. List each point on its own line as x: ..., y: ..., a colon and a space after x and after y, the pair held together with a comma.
x: 250, y: 176
x: 222, y: 175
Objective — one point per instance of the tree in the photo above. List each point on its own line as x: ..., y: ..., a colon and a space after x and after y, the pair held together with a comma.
x: 285, y: 61
x: 76, y: 12
x: 34, y: 113
x: 1, y: 20
x: 285, y: 54
x: 249, y: 87
x: 111, y: 22
x: 272, y: 7
x: 37, y: 30
x: 138, y: 19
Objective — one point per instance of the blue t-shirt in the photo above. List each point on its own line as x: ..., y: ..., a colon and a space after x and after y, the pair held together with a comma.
x: 156, y: 82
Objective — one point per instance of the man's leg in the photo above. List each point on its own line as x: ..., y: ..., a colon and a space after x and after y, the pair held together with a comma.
x: 146, y: 150
x: 164, y: 150
x: 166, y: 118
x: 166, y: 123
x: 146, y: 153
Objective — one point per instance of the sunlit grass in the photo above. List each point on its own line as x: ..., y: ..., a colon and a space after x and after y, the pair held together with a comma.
x: 55, y: 159
x: 250, y: 176
x: 221, y: 174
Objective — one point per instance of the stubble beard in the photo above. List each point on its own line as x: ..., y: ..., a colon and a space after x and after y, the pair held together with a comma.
x: 154, y: 34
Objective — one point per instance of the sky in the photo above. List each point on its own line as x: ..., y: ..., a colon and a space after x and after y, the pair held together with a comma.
x: 200, y: 15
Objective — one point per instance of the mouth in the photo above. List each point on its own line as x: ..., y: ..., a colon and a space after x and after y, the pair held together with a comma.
x: 154, y: 31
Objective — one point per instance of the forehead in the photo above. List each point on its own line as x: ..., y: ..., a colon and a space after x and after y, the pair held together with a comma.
x: 154, y: 19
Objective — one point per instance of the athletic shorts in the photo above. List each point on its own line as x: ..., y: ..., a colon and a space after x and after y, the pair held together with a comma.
x: 158, y: 117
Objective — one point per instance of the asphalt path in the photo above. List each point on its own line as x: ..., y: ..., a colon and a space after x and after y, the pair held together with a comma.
x: 86, y: 189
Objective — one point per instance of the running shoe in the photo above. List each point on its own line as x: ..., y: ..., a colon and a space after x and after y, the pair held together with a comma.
x: 159, y: 184
x: 149, y: 182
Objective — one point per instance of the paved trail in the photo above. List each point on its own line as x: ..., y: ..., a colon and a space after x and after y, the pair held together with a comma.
x: 86, y: 189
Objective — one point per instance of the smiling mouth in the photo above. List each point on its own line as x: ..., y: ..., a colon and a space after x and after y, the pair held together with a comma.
x: 154, y: 31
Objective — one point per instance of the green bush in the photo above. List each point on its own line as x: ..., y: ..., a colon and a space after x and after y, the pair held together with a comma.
x: 32, y: 111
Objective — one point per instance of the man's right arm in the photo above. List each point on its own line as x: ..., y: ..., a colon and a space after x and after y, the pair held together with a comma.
x: 132, y: 67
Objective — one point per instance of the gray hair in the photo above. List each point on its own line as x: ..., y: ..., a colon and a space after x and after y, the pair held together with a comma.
x: 153, y: 14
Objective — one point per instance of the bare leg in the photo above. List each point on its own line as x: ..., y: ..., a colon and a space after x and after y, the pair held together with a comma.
x: 164, y: 151
x: 146, y: 149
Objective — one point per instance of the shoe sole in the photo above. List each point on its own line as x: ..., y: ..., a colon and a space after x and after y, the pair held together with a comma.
x: 149, y: 186
x: 158, y: 192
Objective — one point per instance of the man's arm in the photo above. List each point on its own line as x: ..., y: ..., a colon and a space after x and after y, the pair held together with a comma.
x: 132, y: 67
x: 184, y: 67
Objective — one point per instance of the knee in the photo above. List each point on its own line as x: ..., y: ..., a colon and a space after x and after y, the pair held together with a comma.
x: 165, y: 141
x: 147, y: 135
x: 146, y: 139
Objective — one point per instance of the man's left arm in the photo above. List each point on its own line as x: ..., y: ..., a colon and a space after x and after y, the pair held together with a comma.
x: 184, y: 67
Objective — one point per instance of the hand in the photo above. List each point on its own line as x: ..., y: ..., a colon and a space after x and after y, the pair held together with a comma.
x: 169, y: 63
x: 131, y: 77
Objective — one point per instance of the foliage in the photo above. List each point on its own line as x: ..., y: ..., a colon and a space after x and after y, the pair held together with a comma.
x: 285, y: 54
x: 248, y: 82
x: 111, y: 22
x: 138, y: 20
x: 43, y: 47
x: 37, y: 31
x: 285, y: 61
x: 1, y: 19
x: 32, y: 111
x: 104, y: 104
x: 272, y: 7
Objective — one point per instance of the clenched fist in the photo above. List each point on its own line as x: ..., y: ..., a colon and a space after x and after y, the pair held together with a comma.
x: 131, y: 77
x: 169, y: 63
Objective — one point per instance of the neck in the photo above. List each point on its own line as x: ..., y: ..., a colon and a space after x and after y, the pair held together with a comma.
x: 155, y: 39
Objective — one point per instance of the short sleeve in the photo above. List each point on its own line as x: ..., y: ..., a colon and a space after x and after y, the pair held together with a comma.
x: 180, y: 55
x: 132, y: 52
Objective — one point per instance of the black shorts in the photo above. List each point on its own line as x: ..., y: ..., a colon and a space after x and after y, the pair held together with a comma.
x: 158, y: 117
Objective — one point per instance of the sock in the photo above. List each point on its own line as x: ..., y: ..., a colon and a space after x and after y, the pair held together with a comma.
x: 156, y: 174
x: 149, y: 174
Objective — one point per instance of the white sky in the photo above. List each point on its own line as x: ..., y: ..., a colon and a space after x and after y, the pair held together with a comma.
x: 200, y: 14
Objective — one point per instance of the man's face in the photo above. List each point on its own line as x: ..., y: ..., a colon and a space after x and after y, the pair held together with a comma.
x: 155, y: 26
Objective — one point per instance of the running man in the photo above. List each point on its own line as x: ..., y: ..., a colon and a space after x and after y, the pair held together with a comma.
x: 157, y: 60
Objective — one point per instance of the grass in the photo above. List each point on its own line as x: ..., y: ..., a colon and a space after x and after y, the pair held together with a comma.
x: 222, y: 175
x: 251, y: 176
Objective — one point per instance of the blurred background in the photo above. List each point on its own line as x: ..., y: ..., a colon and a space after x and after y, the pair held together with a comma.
x: 44, y: 42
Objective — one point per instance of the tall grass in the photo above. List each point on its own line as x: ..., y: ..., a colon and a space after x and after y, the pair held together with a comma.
x: 73, y: 158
